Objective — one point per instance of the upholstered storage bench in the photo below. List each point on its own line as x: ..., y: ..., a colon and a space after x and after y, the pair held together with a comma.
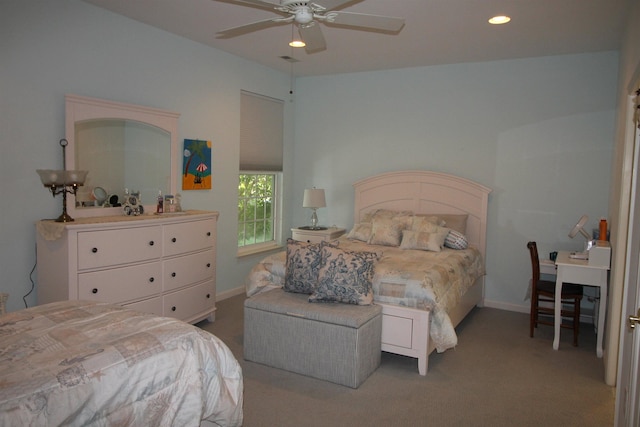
x: 330, y: 341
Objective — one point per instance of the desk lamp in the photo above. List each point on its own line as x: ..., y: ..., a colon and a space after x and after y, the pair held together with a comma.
x: 314, y: 199
x: 579, y: 228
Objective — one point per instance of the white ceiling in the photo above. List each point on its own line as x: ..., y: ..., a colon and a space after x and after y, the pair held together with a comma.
x: 435, y: 31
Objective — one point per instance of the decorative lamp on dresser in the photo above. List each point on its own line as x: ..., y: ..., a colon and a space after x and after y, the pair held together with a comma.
x: 161, y: 264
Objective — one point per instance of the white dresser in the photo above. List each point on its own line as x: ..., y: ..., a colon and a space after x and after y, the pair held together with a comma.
x: 161, y: 264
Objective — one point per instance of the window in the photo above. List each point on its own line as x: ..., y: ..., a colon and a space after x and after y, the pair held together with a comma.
x: 260, y: 176
x: 256, y: 209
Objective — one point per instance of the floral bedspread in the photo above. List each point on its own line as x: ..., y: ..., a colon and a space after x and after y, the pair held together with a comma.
x: 410, y: 278
x: 88, y: 363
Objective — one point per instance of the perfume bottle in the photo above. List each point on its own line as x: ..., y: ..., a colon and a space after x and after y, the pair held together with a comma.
x: 160, y: 206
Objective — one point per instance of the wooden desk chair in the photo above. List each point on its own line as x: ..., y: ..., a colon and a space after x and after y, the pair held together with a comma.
x: 543, y: 291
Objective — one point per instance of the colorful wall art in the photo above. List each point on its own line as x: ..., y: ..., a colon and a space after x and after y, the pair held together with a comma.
x: 196, y: 165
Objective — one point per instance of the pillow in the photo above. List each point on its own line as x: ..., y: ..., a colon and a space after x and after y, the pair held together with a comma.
x: 345, y: 276
x: 360, y: 232
x: 425, y: 241
x: 302, y: 266
x: 426, y: 223
x: 456, y: 240
x: 457, y: 222
x: 386, y: 232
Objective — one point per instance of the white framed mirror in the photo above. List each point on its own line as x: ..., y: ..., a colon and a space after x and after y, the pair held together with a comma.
x: 123, y: 146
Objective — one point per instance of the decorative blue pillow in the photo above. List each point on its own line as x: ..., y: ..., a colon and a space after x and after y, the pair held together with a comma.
x: 302, y: 266
x: 345, y: 276
x: 456, y: 240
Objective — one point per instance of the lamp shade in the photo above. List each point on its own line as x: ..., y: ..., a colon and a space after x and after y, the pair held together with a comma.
x: 314, y: 198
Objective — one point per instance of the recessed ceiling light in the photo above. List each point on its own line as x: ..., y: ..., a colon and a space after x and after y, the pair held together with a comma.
x: 297, y: 43
x: 500, y: 19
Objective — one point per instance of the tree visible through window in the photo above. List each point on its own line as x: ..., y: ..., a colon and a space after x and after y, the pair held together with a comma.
x: 256, y: 208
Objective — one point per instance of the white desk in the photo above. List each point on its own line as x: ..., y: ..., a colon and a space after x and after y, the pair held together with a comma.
x: 580, y: 272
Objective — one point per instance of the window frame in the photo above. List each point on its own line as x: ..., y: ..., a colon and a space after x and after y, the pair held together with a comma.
x: 276, y: 215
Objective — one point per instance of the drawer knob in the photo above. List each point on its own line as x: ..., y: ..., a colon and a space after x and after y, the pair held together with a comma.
x: 94, y: 250
x: 151, y: 279
x: 173, y: 240
x: 173, y: 308
x: 208, y: 264
x: 173, y: 274
x: 94, y: 290
x: 208, y: 234
x: 208, y: 295
x: 151, y: 243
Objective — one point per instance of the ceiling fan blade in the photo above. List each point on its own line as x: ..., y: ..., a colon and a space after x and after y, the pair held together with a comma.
x: 261, y: 3
x: 312, y: 37
x: 254, y: 26
x: 329, y: 4
x: 375, y: 22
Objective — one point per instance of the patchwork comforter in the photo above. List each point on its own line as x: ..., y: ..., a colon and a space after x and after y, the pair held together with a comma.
x: 88, y: 363
x: 411, y: 278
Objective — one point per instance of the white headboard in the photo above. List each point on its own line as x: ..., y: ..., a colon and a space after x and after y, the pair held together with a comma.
x: 427, y: 192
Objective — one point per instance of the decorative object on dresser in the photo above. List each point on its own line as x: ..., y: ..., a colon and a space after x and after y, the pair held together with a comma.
x: 62, y: 182
x: 160, y: 264
x: 315, y: 236
x: 314, y: 199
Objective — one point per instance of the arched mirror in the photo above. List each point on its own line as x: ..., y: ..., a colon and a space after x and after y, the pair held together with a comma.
x: 125, y: 148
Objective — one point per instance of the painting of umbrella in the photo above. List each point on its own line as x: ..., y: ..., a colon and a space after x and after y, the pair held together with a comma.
x: 196, y: 172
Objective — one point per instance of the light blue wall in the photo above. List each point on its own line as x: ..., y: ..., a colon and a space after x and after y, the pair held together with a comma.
x: 51, y: 48
x: 538, y: 131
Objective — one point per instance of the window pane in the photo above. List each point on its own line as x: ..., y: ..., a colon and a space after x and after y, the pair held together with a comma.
x: 256, y: 208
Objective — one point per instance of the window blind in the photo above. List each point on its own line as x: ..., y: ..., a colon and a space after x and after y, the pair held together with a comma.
x: 261, y: 132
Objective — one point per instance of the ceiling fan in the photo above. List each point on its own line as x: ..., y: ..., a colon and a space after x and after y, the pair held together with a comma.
x: 308, y: 14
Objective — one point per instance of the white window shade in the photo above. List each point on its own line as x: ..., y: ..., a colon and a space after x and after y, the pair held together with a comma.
x: 261, y: 132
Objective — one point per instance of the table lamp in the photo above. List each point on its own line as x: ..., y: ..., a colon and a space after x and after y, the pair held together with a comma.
x: 579, y: 228
x: 314, y: 199
x: 62, y: 182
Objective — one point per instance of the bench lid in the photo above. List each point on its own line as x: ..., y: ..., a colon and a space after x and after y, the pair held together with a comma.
x: 298, y: 305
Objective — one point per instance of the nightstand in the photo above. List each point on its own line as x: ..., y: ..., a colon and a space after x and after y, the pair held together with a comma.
x: 316, y: 236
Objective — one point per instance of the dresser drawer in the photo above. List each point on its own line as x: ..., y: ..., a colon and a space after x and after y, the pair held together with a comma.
x: 187, y: 303
x: 189, y: 236
x: 121, y: 284
x: 112, y: 247
x: 188, y: 269
x: 151, y: 305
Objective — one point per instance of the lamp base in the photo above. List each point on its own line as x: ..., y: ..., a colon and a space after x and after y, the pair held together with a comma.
x: 65, y: 217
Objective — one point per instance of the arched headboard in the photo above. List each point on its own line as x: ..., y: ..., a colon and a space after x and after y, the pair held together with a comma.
x: 425, y: 192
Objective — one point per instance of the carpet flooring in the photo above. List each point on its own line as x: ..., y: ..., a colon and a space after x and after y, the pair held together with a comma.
x: 496, y: 376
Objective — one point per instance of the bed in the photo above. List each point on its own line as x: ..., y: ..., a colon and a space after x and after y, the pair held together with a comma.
x: 416, y: 318
x: 91, y: 363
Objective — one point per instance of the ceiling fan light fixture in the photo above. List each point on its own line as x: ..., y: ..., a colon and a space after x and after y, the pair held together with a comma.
x: 499, y: 20
x: 297, y: 43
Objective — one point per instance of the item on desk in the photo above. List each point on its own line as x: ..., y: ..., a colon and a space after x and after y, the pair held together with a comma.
x: 579, y: 255
x: 600, y: 254
x: 553, y: 255
x: 603, y: 230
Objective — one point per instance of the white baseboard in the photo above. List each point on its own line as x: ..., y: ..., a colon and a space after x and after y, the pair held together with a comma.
x: 230, y: 293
